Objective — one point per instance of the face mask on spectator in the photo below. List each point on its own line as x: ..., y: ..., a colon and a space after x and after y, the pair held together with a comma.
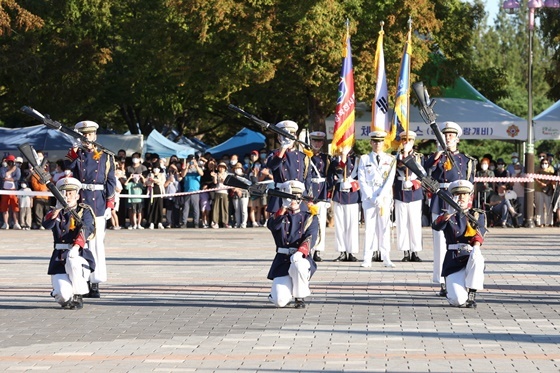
x: 263, y: 155
x: 233, y: 162
x: 517, y: 172
x: 238, y: 171
x: 491, y: 168
x: 502, y: 194
x: 135, y: 160
x: 544, y: 166
x: 156, y: 170
x: 484, y: 167
x: 23, y: 185
x: 4, y: 164
x: 514, y: 160
x: 246, y: 160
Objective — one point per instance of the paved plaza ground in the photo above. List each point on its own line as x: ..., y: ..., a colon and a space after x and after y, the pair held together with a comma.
x: 195, y: 300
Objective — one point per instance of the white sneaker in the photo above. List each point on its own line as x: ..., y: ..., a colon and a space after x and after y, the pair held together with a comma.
x: 366, y: 264
x: 17, y: 226
x: 131, y: 227
x: 160, y: 226
x: 388, y: 263
x: 151, y: 226
x: 139, y: 227
x: 5, y: 226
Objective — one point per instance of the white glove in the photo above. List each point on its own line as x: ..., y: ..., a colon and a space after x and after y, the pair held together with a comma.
x: 296, y: 257
x: 107, y: 214
x: 476, y: 251
x: 74, y: 252
x: 286, y: 202
x: 286, y: 143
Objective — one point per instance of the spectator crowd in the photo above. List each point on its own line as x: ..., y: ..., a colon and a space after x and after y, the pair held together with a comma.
x: 203, y: 201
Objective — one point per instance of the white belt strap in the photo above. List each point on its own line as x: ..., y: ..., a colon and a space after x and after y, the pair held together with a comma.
x: 460, y: 246
x: 444, y: 185
x: 317, y: 180
x: 93, y: 186
x: 286, y: 250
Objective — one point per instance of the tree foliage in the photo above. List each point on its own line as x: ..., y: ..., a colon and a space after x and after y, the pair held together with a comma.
x: 143, y: 64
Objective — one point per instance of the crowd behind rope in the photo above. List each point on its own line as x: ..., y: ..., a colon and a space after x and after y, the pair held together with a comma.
x: 139, y: 178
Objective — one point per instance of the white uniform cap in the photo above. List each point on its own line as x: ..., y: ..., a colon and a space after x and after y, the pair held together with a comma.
x: 317, y: 135
x: 288, y: 125
x: 461, y: 186
x: 377, y: 135
x: 451, y: 127
x: 68, y: 183
x: 410, y: 134
x: 19, y: 160
x: 86, y: 126
x: 292, y: 186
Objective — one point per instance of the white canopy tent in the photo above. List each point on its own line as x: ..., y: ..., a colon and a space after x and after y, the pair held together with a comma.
x: 479, y: 118
x: 547, y: 123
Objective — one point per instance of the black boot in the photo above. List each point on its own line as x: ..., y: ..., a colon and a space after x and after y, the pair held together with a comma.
x: 415, y: 258
x: 88, y: 295
x: 377, y: 256
x: 406, y: 257
x: 299, y: 303
x: 351, y: 258
x: 317, y: 257
x: 341, y: 257
x: 94, y: 291
x: 443, y: 291
x: 471, y: 303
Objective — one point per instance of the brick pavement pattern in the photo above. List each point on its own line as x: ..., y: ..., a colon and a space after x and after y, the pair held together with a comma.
x: 195, y: 300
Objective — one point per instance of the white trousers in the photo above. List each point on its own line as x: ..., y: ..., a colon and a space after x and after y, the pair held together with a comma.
x: 346, y: 227
x: 322, y: 216
x: 408, y: 217
x: 295, y: 285
x: 74, y: 281
x: 470, y: 277
x: 440, y: 247
x: 97, y: 248
x: 378, y: 230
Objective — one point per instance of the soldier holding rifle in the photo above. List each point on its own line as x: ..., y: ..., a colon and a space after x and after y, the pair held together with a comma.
x: 95, y: 169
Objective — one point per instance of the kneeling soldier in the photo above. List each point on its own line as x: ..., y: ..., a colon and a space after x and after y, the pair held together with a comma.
x: 71, y: 261
x: 463, y: 265
x: 295, y: 234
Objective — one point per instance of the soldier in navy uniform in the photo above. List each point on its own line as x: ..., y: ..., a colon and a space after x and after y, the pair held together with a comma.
x: 295, y: 232
x: 71, y: 261
x: 441, y: 170
x: 463, y: 266
x: 342, y: 181
x: 319, y: 166
x: 96, y: 171
x: 408, y: 196
x: 287, y: 163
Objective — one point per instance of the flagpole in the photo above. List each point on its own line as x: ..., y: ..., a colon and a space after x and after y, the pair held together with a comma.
x: 408, y: 90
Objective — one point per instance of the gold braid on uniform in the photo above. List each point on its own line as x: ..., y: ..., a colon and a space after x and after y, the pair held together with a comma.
x: 97, y: 154
x: 81, y: 213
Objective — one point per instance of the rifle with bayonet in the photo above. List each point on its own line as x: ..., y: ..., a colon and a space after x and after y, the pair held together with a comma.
x: 430, y: 184
x: 38, y: 168
x: 429, y: 116
x: 268, y: 126
x: 59, y: 127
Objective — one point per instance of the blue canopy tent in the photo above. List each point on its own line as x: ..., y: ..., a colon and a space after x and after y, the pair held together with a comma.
x: 157, y: 143
x: 55, y: 144
x: 243, y: 142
